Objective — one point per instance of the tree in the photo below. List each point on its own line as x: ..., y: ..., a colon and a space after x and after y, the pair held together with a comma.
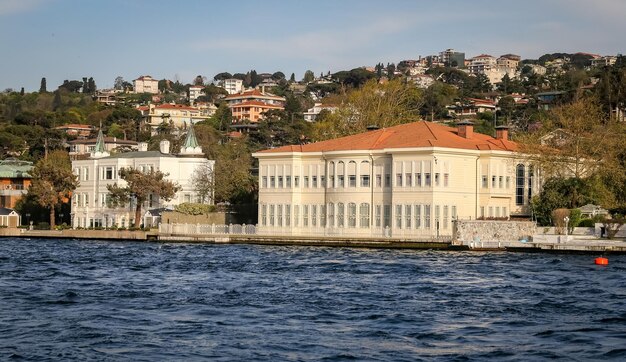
x: 139, y: 186
x: 199, y: 80
x: 292, y: 79
x: 53, y: 182
x: 203, y: 182
x: 436, y: 98
x: 42, y: 87
x: 222, y: 76
x: 91, y: 86
x: 309, y: 76
x: 278, y: 76
x: 118, y: 84
x: 233, y: 181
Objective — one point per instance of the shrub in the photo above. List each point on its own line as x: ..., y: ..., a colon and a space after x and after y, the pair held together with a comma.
x: 558, y: 217
x: 189, y: 208
x: 587, y: 223
x: 574, y: 219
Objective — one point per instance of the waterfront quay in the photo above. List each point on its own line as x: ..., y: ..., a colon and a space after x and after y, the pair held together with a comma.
x: 539, y: 243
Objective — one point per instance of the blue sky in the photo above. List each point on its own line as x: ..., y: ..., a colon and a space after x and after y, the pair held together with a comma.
x: 71, y: 39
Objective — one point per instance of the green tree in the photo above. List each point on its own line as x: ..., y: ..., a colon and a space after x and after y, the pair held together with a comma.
x: 292, y: 79
x: 222, y: 76
x: 42, y: 87
x: 53, y: 182
x: 233, y: 181
x: 436, y: 98
x: 139, y: 186
x: 309, y: 76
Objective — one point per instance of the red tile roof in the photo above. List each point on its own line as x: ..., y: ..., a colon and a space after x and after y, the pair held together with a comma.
x: 409, y: 135
x: 175, y: 106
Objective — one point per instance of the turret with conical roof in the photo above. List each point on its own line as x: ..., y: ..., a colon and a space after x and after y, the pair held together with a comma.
x: 191, y: 146
x: 100, y: 149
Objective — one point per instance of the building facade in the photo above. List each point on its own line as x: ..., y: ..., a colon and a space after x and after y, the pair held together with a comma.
x: 233, y: 85
x: 177, y: 115
x: 410, y: 180
x: 91, y: 200
x: 251, y: 105
x: 146, y: 84
x: 15, y: 179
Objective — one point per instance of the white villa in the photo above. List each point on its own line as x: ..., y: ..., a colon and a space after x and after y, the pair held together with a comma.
x: 410, y: 180
x: 146, y: 84
x: 90, y: 206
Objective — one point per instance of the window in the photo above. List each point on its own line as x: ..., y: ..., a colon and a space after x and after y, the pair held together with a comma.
x: 313, y: 181
x: 408, y: 180
x: 445, y: 217
x: 497, y: 211
x: 305, y: 215
x: 323, y: 215
x: 352, y: 215
x: 364, y: 213
x: 280, y: 215
x: 365, y: 180
x: 85, y: 173
x: 305, y: 181
x: 482, y: 212
x: 108, y: 173
x: 508, y: 182
x: 352, y: 180
x: 437, y: 179
x: 280, y: 181
x: 331, y: 215
x: 490, y: 211
x: 484, y: 183
x: 378, y: 215
x: 287, y: 215
x: 296, y: 181
x: 418, y: 179
x: 398, y: 216
x: 187, y: 197
x: 296, y: 215
x: 272, y: 181
x: 427, y: 216
x: 264, y: 182
x: 387, y: 216
x: 418, y: 216
x: 493, y: 182
x: 519, y: 185
x: 504, y: 214
x: 323, y: 181
x: 287, y: 181
x: 340, y: 181
x: 398, y: 180
x: 501, y: 182
x: 379, y: 181
x: 340, y: 214
x: 437, y: 215
x: 313, y: 215
x: 407, y: 216
x: 271, y: 215
x: 427, y: 179
x: 387, y: 180
x: 453, y: 212
x: 446, y: 179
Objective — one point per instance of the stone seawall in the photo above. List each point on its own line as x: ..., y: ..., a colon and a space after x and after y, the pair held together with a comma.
x: 493, y: 231
x: 80, y: 234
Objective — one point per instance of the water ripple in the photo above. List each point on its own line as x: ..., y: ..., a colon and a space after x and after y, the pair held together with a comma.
x: 97, y: 300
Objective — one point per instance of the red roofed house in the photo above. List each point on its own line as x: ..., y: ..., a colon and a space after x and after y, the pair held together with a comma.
x: 410, y: 180
x: 178, y: 115
x: 250, y: 105
x: 78, y: 130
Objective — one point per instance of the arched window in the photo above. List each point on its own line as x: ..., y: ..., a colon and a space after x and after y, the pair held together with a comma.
x: 340, y: 213
x: 331, y: 173
x: 331, y: 214
x: 364, y: 171
x: 364, y: 215
x: 352, y: 215
x: 519, y: 184
x: 340, y: 174
x: 352, y: 174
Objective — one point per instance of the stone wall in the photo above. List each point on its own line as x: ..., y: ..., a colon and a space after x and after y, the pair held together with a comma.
x: 175, y: 217
x: 494, y: 231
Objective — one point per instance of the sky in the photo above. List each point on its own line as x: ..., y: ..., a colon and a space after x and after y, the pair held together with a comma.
x: 178, y: 40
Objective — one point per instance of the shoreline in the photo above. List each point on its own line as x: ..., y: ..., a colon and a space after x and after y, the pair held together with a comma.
x: 576, y: 246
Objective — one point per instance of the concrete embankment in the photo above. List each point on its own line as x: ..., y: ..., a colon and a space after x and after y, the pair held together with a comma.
x: 81, y: 234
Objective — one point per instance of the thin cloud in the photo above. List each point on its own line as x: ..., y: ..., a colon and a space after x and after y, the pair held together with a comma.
x: 9, y: 7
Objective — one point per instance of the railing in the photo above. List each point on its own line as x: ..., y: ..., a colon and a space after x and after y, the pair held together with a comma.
x: 245, y: 229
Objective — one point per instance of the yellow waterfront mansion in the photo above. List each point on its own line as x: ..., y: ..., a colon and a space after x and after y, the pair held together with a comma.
x: 410, y: 180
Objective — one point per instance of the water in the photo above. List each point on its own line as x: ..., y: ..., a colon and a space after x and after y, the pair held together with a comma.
x: 95, y: 300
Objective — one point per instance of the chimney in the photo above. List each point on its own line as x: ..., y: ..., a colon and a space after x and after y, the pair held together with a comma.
x: 142, y: 147
x: 502, y: 133
x: 164, y: 146
x: 466, y: 129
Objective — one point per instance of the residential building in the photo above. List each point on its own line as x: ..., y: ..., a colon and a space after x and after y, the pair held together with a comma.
x: 311, y: 114
x: 604, y: 61
x: 107, y: 96
x: 195, y: 91
x: 91, y: 205
x: 411, y: 180
x: 452, y: 58
x: 76, y: 130
x: 481, y: 64
x: 82, y: 148
x: 177, y: 115
x: 15, y: 179
x: 251, y: 105
x: 9, y: 218
x: 536, y: 69
x: 508, y: 62
x: 470, y: 107
x: 146, y: 84
x: 232, y: 85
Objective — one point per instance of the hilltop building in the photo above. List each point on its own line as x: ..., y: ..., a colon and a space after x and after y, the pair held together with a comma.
x: 177, y: 115
x: 15, y: 179
x: 251, y: 105
x: 90, y: 201
x: 146, y: 84
x: 409, y: 180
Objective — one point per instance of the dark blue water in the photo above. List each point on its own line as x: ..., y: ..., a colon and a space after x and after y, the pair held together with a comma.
x: 93, y: 300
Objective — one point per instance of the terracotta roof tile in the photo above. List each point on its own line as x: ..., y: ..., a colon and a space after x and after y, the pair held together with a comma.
x: 410, y: 135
